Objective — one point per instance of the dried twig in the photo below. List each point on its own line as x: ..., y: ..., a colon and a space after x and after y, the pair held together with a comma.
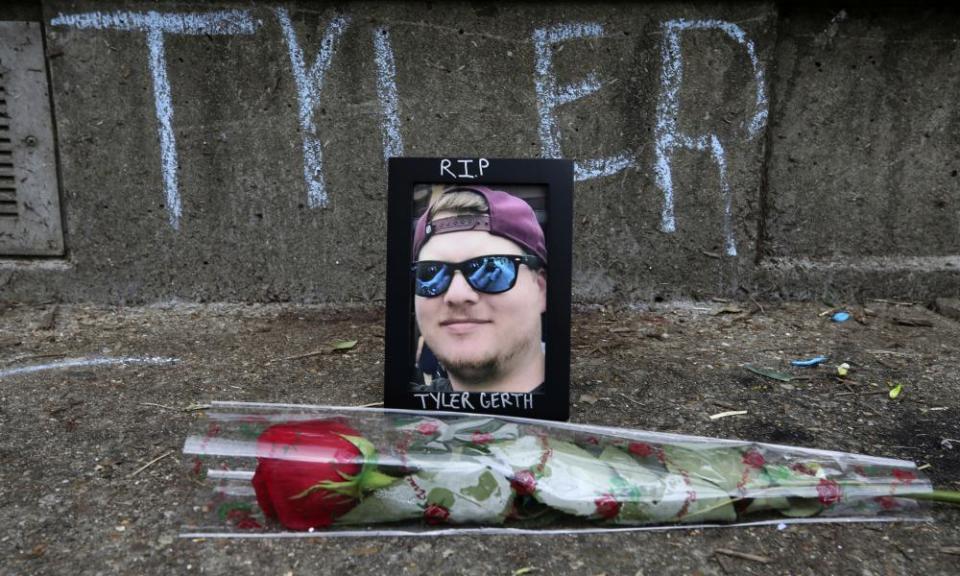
x: 196, y: 407
x: 299, y: 356
x: 164, y: 406
x: 150, y: 463
x: 868, y: 393
x: 370, y: 405
x: 893, y: 302
x: 917, y: 322
x: 630, y: 399
x: 743, y: 555
x: 725, y: 405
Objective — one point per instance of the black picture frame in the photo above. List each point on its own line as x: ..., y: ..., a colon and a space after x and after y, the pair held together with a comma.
x: 555, y: 176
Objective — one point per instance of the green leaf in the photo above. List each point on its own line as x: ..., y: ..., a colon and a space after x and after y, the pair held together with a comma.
x: 366, y: 448
x: 779, y: 473
x: 770, y: 503
x: 769, y: 373
x: 484, y: 488
x: 441, y: 497
x: 651, y: 494
x: 802, y: 508
x: 224, y: 509
x: 711, y: 505
x: 341, y: 345
x: 371, y: 480
x: 895, y: 391
x: 636, y: 476
x: 573, y: 479
x: 249, y: 431
x: 722, y: 467
x: 391, y: 504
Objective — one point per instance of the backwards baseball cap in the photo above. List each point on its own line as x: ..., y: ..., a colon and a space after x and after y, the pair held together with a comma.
x: 508, y: 217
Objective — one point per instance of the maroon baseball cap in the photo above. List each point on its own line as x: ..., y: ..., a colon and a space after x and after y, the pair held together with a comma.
x: 509, y: 217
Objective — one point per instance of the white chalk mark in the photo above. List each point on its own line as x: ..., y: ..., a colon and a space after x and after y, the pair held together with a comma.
x: 563, y: 32
x: 588, y: 169
x: 666, y: 129
x: 90, y: 362
x: 716, y: 150
x: 572, y: 92
x: 668, y: 136
x: 218, y: 22
x: 155, y: 25
x: 309, y: 86
x: 550, y: 96
x: 387, y: 92
x: 164, y: 110
x: 759, y: 119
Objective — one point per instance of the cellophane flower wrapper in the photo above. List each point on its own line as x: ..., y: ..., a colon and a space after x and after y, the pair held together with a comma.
x: 285, y: 470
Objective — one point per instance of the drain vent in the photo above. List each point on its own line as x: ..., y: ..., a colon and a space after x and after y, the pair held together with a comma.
x: 29, y: 191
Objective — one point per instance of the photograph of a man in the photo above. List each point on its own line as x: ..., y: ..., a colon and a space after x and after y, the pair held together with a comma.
x: 480, y: 285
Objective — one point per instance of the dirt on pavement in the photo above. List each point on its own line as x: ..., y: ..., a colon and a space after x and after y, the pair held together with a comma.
x: 76, y: 497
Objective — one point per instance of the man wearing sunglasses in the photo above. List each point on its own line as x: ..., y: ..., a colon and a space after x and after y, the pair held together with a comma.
x: 479, y: 276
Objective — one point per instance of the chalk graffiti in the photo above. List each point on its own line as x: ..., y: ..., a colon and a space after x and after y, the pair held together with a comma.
x: 90, y: 362
x: 387, y: 92
x: 155, y: 25
x: 309, y: 85
x: 550, y: 96
x: 668, y: 136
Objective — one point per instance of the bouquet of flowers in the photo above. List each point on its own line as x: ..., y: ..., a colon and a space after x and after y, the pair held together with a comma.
x: 302, y: 468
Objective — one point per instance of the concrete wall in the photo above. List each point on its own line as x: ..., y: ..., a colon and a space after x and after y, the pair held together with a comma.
x: 235, y: 151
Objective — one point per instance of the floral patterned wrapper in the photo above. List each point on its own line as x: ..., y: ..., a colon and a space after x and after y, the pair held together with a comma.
x: 290, y: 470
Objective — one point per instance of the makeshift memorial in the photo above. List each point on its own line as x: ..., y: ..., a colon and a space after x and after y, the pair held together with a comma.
x: 343, y: 470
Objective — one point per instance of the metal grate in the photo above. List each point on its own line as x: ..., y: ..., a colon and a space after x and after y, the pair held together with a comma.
x: 29, y: 192
x: 8, y: 184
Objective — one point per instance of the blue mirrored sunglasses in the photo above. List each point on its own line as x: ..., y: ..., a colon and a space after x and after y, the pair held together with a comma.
x: 492, y: 274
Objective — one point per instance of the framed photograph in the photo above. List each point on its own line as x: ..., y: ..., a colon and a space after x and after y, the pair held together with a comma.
x: 478, y: 286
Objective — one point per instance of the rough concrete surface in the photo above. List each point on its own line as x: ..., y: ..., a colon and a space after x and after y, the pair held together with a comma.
x: 862, y: 113
x: 793, y: 133
x: 77, y: 495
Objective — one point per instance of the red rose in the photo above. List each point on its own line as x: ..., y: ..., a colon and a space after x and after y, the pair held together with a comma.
x: 428, y: 428
x: 310, y: 473
x: 607, y: 506
x: 640, y: 449
x: 436, y: 514
x: 481, y: 438
x: 524, y: 483
x: 754, y: 459
x: 904, y: 476
x: 828, y: 492
x: 803, y: 469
